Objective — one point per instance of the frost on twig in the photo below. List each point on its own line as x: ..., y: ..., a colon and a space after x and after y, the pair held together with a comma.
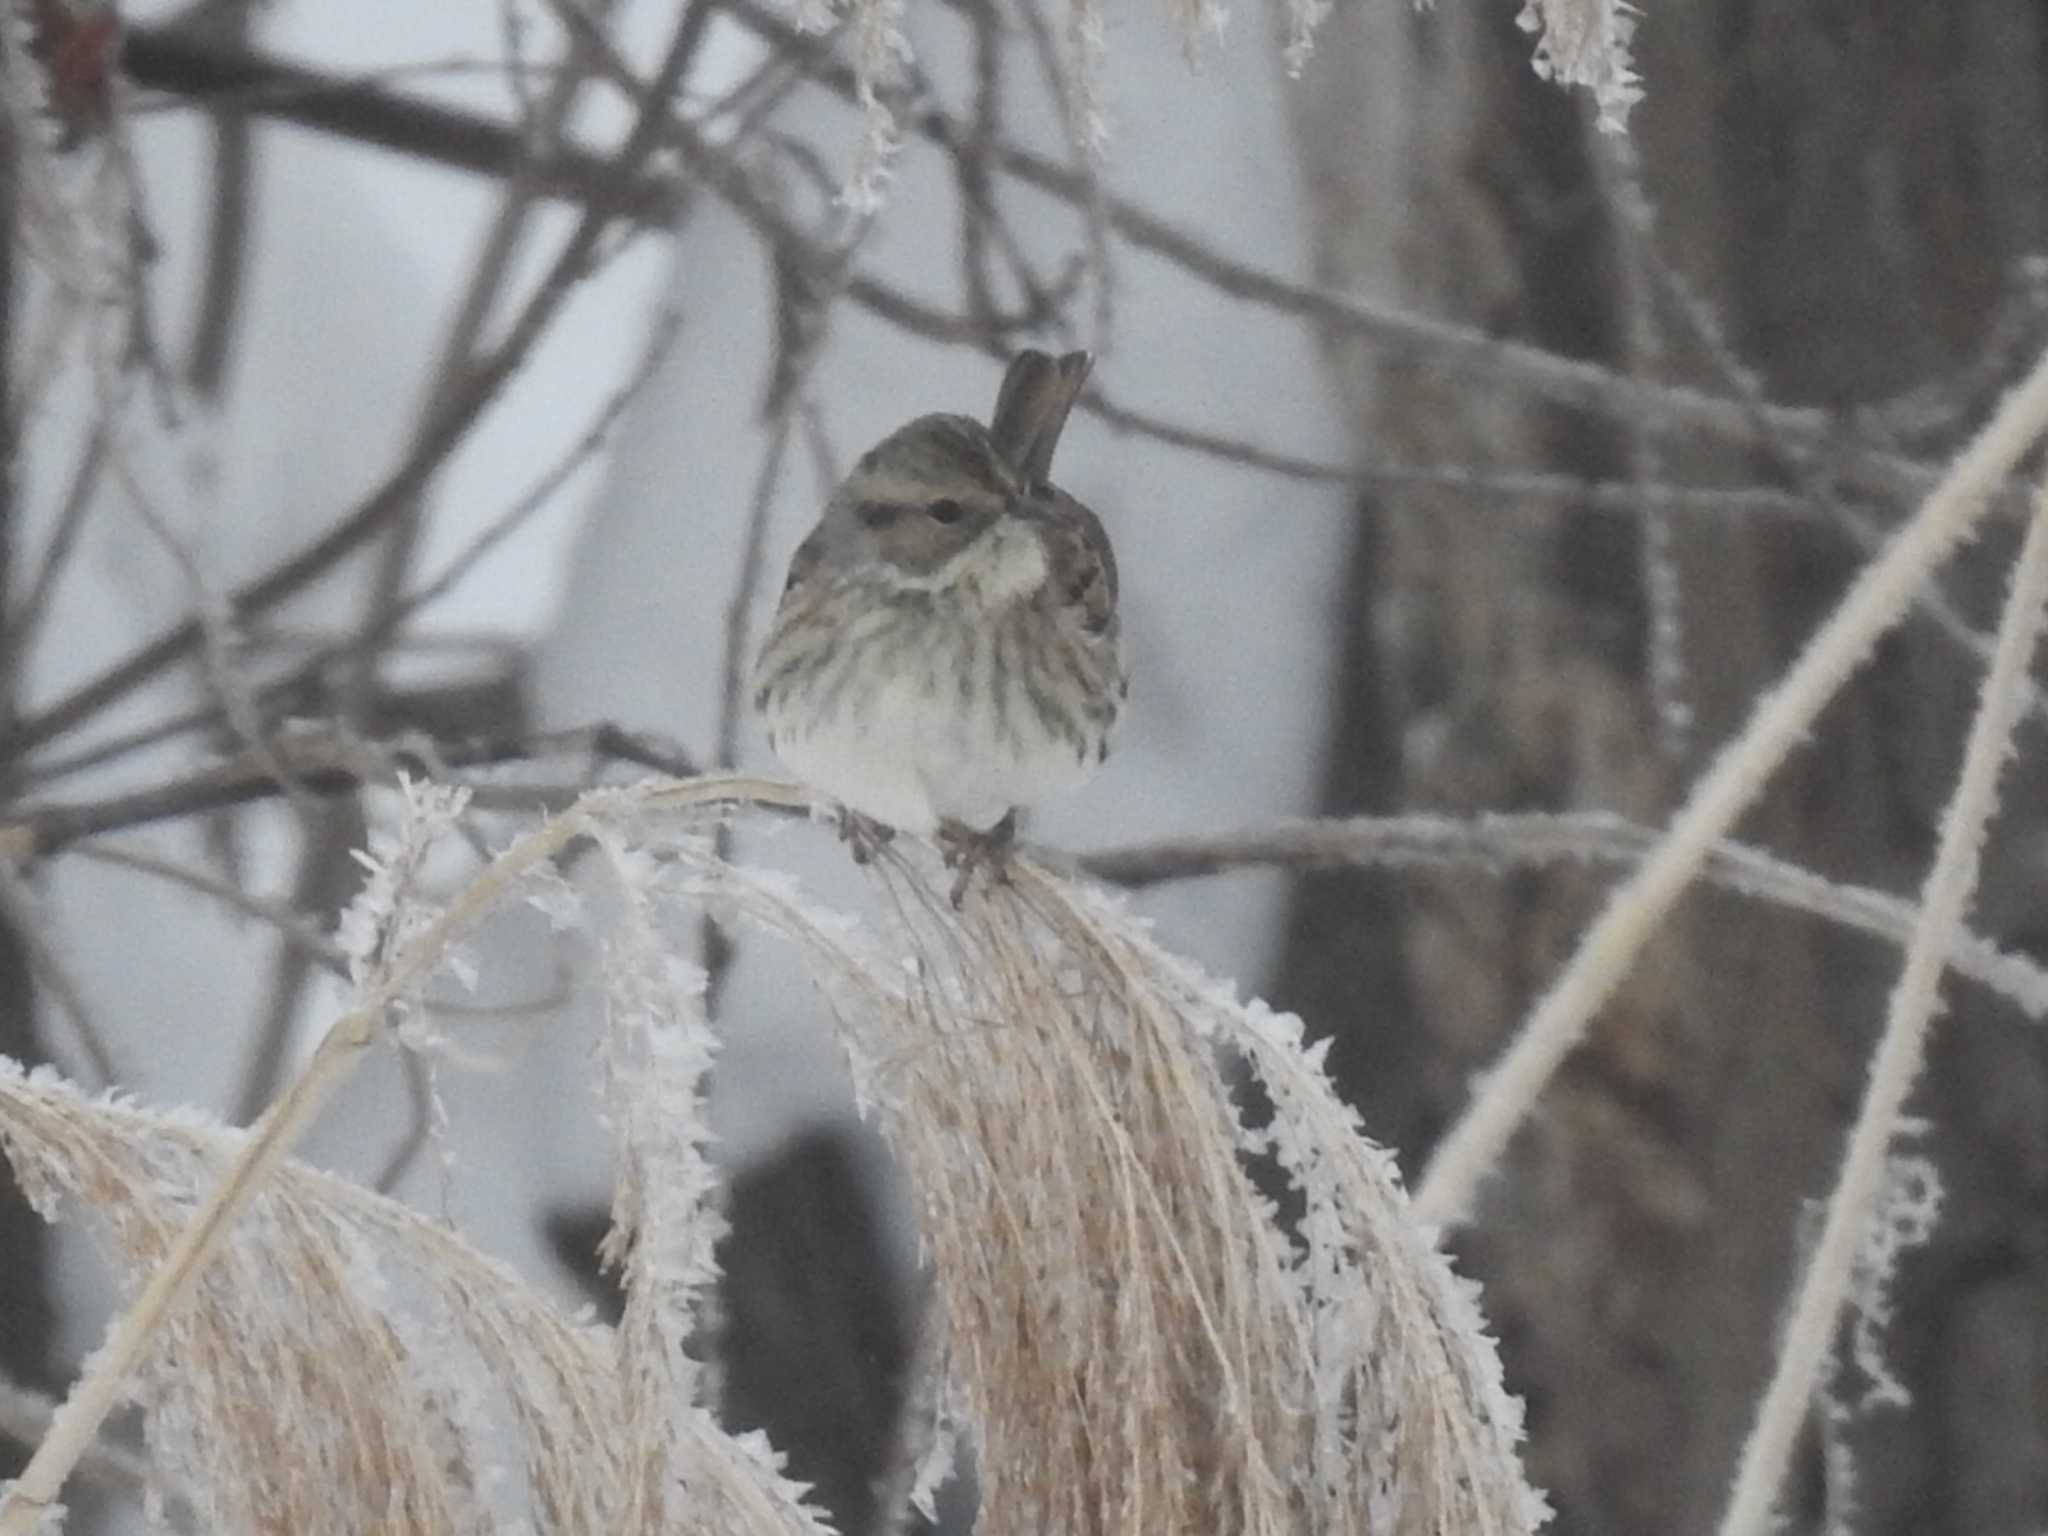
x: 1132, y: 1336
x: 1586, y: 43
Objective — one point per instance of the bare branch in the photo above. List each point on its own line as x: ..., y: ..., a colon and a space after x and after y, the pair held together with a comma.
x: 467, y: 141
x: 292, y: 928
x: 24, y: 620
x: 448, y: 427
x: 1617, y: 172
x: 1486, y: 359
x: 322, y: 762
x: 24, y: 916
x: 365, y: 110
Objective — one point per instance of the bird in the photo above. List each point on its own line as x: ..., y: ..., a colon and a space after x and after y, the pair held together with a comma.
x: 947, y: 647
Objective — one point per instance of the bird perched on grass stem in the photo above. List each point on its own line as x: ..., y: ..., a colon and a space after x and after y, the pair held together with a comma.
x: 946, y: 646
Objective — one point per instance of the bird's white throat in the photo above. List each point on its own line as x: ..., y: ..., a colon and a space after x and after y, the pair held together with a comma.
x: 1005, y: 565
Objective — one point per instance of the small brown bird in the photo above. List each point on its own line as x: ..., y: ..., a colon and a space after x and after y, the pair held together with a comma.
x: 946, y: 648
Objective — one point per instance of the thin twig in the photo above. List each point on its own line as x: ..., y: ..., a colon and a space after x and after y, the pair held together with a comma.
x: 536, y: 499
x: 1086, y: 169
x: 475, y: 143
x: 26, y: 619
x: 971, y: 166
x: 519, y: 73
x: 229, y: 218
x: 419, y: 1125
x: 20, y: 909
x: 1618, y: 173
x: 323, y: 762
x: 293, y: 928
x: 735, y: 651
x: 539, y: 496
x: 465, y: 405
x: 1487, y: 359
x: 234, y: 700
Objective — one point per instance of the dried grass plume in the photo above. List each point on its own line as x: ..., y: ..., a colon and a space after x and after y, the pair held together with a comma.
x: 1132, y: 1336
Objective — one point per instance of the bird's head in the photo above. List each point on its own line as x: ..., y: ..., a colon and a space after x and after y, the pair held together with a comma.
x: 945, y: 502
x: 923, y: 495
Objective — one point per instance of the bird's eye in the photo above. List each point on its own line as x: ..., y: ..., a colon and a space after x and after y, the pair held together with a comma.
x: 945, y: 510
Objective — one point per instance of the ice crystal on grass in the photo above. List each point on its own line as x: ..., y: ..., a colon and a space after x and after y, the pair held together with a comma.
x: 390, y: 912
x: 1905, y: 1218
x: 881, y: 55
x: 71, y: 174
x: 1854, y: 1377
x: 1578, y: 43
x: 1305, y: 18
x: 1086, y: 62
x: 666, y: 1220
x: 1586, y: 43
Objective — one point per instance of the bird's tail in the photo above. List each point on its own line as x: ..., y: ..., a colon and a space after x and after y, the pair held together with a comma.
x: 1032, y: 407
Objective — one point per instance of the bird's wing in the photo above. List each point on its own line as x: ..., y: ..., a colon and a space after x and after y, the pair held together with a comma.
x: 1031, y: 409
x: 1081, y: 563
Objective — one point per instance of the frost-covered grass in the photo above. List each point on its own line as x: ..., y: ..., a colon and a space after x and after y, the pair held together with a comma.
x: 1131, y: 1337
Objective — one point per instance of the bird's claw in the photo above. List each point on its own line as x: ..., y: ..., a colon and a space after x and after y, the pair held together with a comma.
x: 966, y: 851
x: 863, y: 835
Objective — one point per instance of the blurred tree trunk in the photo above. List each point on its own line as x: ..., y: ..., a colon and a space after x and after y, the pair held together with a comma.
x: 1851, y: 186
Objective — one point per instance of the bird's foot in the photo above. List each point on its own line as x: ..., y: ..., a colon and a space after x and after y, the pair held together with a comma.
x: 966, y: 851
x: 863, y: 835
